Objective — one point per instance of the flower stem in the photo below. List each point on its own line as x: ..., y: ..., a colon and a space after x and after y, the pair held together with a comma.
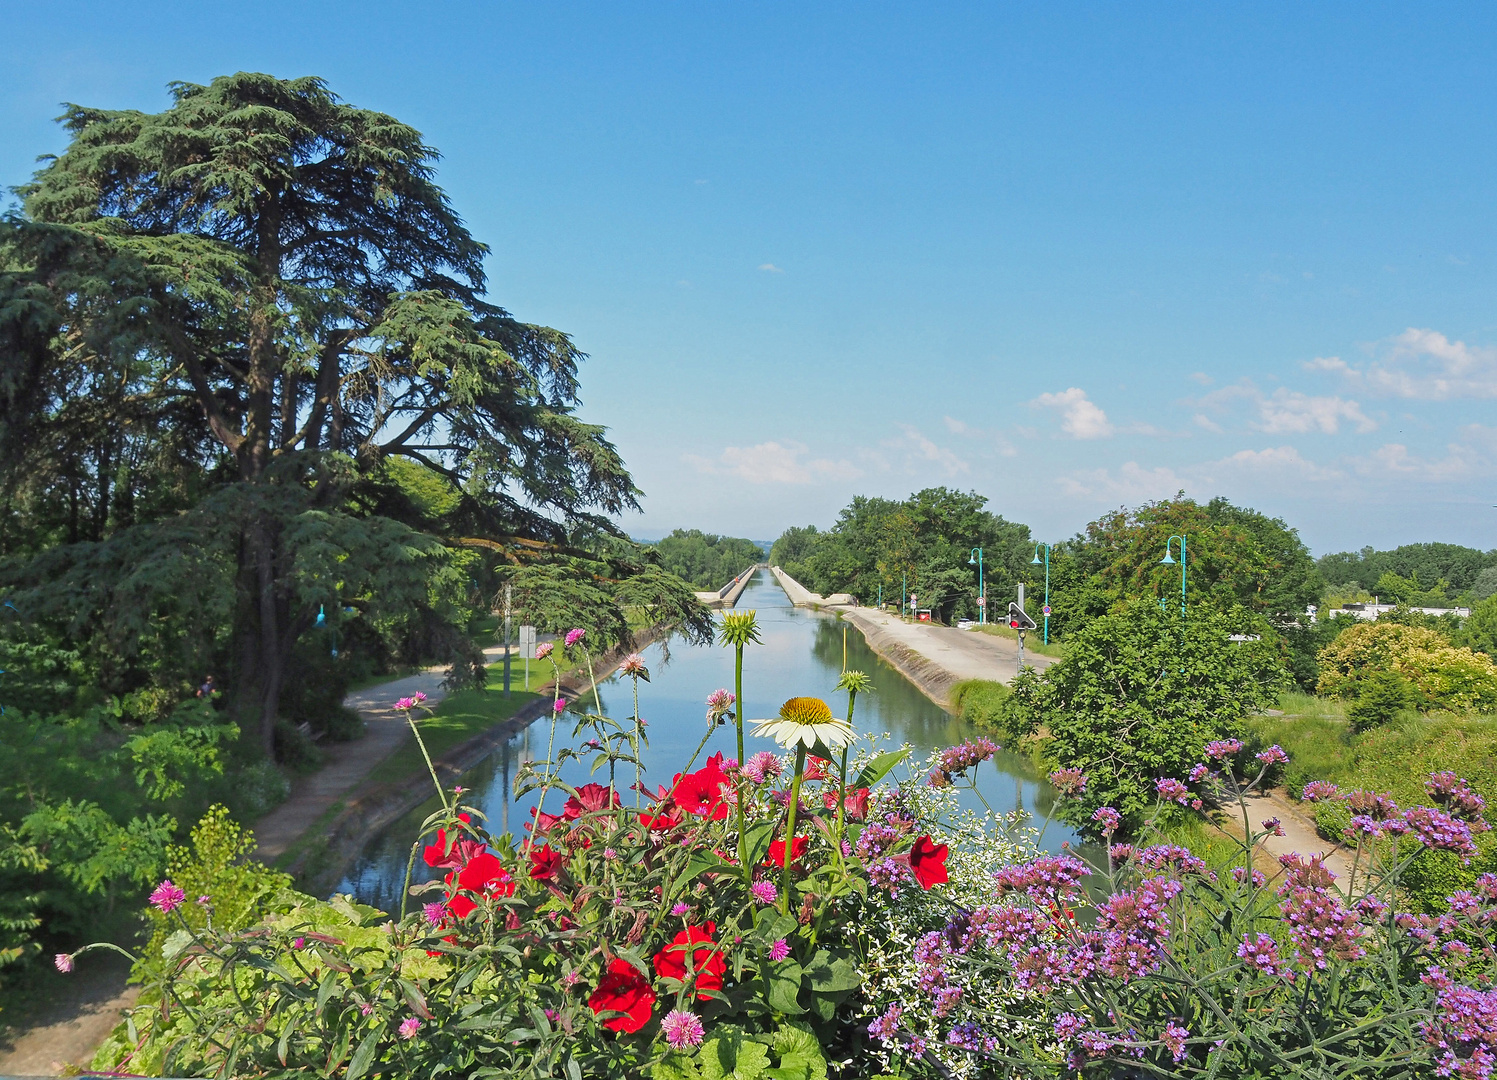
x: 800, y: 769
x: 738, y: 784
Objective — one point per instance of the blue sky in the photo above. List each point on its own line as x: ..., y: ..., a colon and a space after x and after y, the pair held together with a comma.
x: 1071, y: 256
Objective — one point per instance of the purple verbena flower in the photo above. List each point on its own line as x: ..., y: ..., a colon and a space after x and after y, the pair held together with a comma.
x: 1274, y: 755
x: 1317, y: 790
x: 1172, y: 790
x: 967, y: 755
x: 1107, y: 819
x: 1174, y: 1037
x: 1217, y: 749
x: 1262, y: 954
x: 1068, y: 781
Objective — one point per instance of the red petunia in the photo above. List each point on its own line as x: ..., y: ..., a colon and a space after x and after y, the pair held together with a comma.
x: 544, y: 822
x: 590, y: 798
x: 623, y: 989
x: 485, y: 875
x: 816, y: 768
x: 439, y: 856
x: 928, y: 862
x: 664, y: 815
x: 776, y: 856
x: 700, y: 793
x: 545, y: 863
x: 855, y: 804
x: 707, y: 959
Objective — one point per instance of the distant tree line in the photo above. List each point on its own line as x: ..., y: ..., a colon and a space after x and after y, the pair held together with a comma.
x: 706, y: 560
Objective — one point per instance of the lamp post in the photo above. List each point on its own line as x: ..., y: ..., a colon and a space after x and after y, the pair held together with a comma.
x: 1035, y: 562
x: 975, y: 559
x: 1169, y: 561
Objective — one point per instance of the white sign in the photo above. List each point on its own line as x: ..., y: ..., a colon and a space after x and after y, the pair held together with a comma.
x: 527, y: 642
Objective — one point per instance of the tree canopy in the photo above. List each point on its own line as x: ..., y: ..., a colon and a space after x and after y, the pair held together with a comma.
x: 706, y: 560
x: 242, y: 309
x: 1425, y: 565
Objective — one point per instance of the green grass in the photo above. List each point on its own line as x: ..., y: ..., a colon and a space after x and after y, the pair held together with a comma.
x: 1396, y: 758
x: 458, y: 718
x: 980, y: 702
x: 1032, y: 642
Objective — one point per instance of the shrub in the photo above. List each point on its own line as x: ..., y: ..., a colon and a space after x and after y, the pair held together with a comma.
x: 1138, y: 693
x: 257, y: 789
x: 1445, y: 677
x: 1332, y: 819
x: 981, y: 702
x: 1381, y: 696
x: 295, y: 749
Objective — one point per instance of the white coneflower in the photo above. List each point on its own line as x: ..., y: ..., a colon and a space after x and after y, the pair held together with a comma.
x: 807, y: 722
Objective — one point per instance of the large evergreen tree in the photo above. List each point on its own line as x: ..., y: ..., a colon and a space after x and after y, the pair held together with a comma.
x: 263, y: 288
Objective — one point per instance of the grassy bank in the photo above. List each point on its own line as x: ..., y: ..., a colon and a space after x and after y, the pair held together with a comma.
x: 1396, y: 757
x: 1032, y: 642
x: 457, y: 718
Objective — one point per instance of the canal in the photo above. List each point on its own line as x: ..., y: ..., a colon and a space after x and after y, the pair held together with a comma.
x: 801, y: 654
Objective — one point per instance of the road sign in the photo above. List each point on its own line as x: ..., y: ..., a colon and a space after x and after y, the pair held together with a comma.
x: 1045, y: 610
x: 527, y: 642
x: 1018, y: 619
x: 982, y: 601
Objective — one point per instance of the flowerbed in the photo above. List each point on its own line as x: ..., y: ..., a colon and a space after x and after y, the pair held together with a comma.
x: 801, y: 914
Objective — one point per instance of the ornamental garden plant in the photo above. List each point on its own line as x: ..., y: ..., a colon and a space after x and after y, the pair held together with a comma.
x: 804, y: 914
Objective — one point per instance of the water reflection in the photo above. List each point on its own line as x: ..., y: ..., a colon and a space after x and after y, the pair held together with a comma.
x: 802, y: 653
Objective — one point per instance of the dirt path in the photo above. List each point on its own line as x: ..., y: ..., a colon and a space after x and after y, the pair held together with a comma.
x: 65, y: 1033
x: 1299, y: 836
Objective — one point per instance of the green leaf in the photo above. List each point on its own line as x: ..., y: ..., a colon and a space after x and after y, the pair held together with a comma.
x: 757, y: 840
x: 784, y: 987
x: 414, y: 998
x: 174, y: 945
x: 799, y: 1053
x: 362, y: 1057
x: 729, y: 1055
x: 830, y: 973
x: 675, y: 1066
x: 879, y: 767
x: 325, y: 991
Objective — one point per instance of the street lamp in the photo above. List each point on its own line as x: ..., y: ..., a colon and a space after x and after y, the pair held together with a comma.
x: 1169, y: 561
x: 1035, y: 562
x: 975, y: 559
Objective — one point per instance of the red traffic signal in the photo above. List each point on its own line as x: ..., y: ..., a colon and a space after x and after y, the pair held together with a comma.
x: 1018, y: 619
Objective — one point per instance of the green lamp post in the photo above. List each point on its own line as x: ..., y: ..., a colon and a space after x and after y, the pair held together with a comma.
x: 1169, y: 561
x: 975, y: 559
x: 1035, y: 562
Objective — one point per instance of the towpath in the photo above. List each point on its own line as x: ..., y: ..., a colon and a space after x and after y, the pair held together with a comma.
x: 935, y: 658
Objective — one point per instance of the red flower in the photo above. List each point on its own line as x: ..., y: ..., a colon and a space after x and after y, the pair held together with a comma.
x: 589, y: 798
x: 776, y: 856
x: 623, y: 989
x: 665, y: 814
x: 856, y: 803
x: 544, y: 822
x: 545, y: 863
x: 700, y: 793
x: 928, y: 862
x: 485, y: 875
x: 437, y: 855
x: 707, y: 959
x: 816, y: 768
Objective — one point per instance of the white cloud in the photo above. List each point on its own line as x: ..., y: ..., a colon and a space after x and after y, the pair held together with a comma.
x: 1421, y: 364
x: 774, y: 463
x: 771, y: 267
x: 1474, y: 454
x: 1204, y: 421
x: 999, y: 441
x: 1276, y: 459
x: 1289, y: 411
x: 953, y: 425
x: 1286, y: 411
x: 1133, y: 483
x: 916, y: 449
x: 1080, y: 418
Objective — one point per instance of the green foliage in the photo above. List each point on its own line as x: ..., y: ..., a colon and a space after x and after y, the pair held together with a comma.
x: 789, y: 1052
x: 1480, y: 629
x: 981, y: 703
x: 924, y: 542
x: 1458, y: 566
x: 1409, y: 591
x: 1443, y: 676
x: 1432, y: 876
x: 1332, y: 819
x: 1236, y: 557
x: 706, y: 560
x: 214, y: 863
x: 1381, y: 696
x: 1138, y: 695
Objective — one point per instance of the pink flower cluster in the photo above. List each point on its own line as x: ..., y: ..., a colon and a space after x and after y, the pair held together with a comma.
x: 1320, y: 926
x: 1453, y: 793
x: 1172, y: 790
x: 1464, y: 1030
x: 719, y: 705
x: 955, y: 760
x: 762, y: 766
x: 1068, y: 781
x: 1219, y: 749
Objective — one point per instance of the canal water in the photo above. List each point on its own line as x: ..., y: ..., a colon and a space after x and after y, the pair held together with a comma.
x: 801, y: 655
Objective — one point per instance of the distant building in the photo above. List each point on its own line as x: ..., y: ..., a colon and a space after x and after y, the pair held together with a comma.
x: 1373, y: 610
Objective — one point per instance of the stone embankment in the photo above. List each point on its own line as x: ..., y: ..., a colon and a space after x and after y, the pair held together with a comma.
x: 728, y: 595
x: 934, y: 658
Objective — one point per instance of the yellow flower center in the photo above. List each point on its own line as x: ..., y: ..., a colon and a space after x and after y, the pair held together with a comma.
x: 806, y: 710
